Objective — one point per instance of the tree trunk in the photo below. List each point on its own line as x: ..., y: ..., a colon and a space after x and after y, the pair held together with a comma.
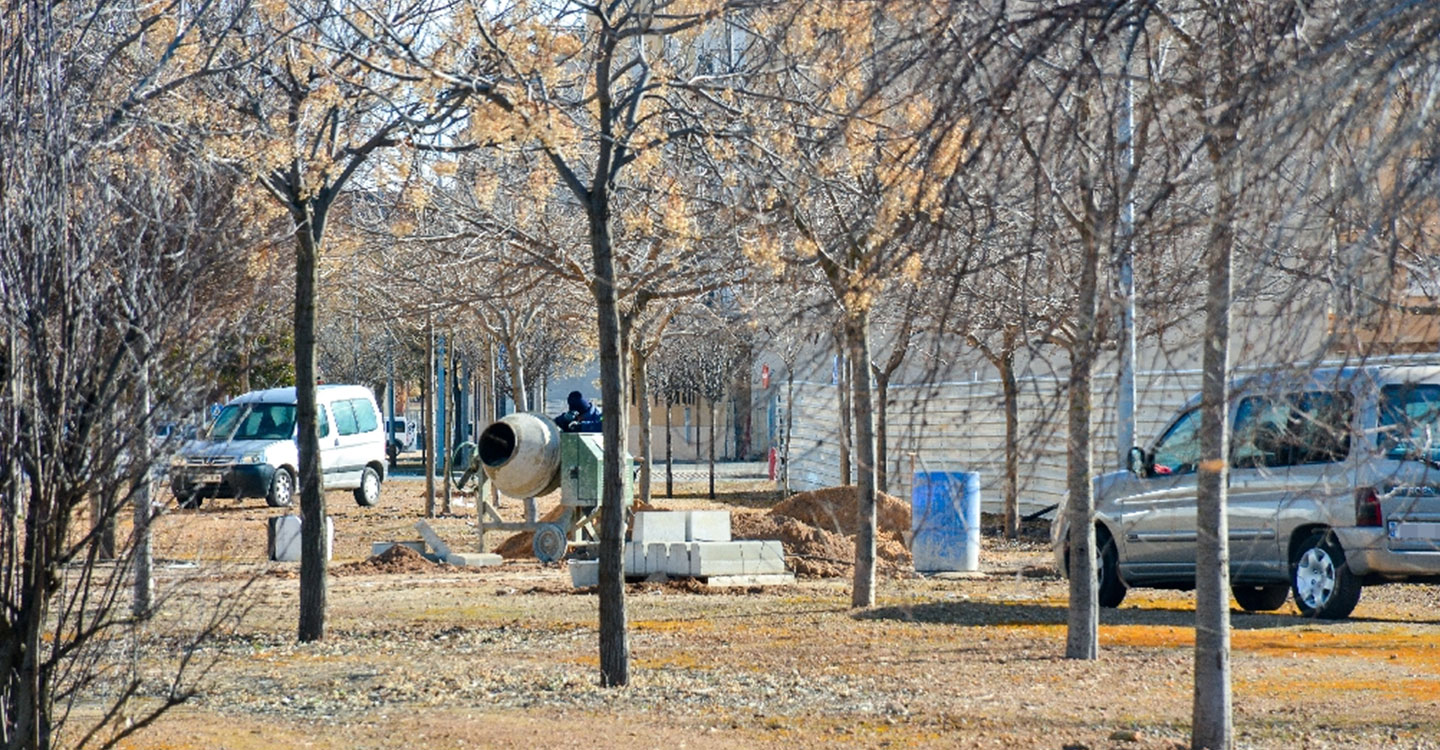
x: 452, y: 423
x: 614, y: 638
x: 711, y: 409
x: 313, y: 563
x: 1211, y: 722
x: 641, y: 384
x: 142, y: 560
x: 843, y: 393
x: 428, y: 397
x: 669, y: 452
x: 1083, y: 620
x: 789, y: 425
x: 882, y: 434
x: 517, y: 379
x: 1011, y: 390
x: 857, y: 334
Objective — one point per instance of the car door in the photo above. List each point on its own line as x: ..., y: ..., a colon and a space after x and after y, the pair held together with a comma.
x: 1152, y: 509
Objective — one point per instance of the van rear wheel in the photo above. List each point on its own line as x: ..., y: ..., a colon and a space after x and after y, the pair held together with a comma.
x: 1324, y: 586
x: 368, y: 493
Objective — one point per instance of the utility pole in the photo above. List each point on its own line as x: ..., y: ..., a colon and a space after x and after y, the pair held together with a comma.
x: 1125, y: 272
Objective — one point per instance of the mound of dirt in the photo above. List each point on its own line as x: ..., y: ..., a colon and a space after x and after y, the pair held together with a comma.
x: 834, y: 509
x: 397, y: 559
x: 814, y: 552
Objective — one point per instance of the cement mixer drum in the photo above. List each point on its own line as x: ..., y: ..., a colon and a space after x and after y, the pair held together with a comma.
x: 521, y: 455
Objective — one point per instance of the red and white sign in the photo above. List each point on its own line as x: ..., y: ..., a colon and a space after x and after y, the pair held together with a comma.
x: 764, y: 376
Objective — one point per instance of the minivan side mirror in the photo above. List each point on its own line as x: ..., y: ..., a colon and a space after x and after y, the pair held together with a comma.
x: 1137, y: 462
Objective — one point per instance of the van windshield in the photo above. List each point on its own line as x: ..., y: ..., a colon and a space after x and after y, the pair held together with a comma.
x: 1409, y: 419
x: 254, y: 422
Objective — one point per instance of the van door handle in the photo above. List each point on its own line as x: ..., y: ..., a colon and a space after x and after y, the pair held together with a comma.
x: 337, y: 442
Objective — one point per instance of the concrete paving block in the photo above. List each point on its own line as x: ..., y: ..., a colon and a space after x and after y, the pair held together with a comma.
x: 765, y: 557
x: 707, y: 525
x: 431, y: 538
x: 584, y: 573
x: 380, y: 548
x: 474, y: 559
x: 677, y: 559
x: 658, y: 526
x: 657, y: 558
x: 634, y: 558
x: 283, y: 538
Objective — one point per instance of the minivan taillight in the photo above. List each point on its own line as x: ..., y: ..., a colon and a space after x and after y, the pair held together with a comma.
x: 1367, y: 508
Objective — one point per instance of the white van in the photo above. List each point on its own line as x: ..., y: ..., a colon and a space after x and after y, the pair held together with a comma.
x: 250, y: 448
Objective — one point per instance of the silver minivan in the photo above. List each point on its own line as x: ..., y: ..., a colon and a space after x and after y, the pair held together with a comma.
x: 250, y: 449
x: 1334, y: 485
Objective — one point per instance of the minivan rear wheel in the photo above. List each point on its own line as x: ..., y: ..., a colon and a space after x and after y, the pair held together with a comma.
x: 282, y: 489
x: 1323, y: 584
x: 1260, y: 598
x: 368, y: 493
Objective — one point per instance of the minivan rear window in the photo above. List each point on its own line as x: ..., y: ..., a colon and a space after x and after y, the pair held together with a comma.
x: 1409, y: 417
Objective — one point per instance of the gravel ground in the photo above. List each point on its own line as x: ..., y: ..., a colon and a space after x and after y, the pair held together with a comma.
x: 507, y: 657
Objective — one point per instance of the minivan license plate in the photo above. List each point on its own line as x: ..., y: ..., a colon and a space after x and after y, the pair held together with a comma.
x: 1415, y: 531
x: 208, y: 477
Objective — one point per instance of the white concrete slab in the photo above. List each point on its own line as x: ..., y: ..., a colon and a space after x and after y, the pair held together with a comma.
x: 584, y: 573
x: 474, y: 559
x: 658, y: 526
x: 777, y: 579
x: 707, y: 525
x: 283, y: 538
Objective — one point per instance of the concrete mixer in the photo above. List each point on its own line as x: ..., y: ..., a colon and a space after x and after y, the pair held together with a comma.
x: 526, y: 456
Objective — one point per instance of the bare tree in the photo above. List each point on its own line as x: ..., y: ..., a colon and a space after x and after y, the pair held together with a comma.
x: 110, y: 233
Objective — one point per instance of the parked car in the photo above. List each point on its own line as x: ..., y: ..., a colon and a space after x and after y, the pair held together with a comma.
x: 250, y: 448
x: 1334, y: 484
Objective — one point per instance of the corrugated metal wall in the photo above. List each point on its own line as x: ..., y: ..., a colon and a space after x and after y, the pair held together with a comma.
x: 961, y: 427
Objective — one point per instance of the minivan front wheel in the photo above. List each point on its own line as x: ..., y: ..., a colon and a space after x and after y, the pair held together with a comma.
x: 1111, y: 590
x: 282, y: 489
x: 1323, y: 584
x: 368, y: 493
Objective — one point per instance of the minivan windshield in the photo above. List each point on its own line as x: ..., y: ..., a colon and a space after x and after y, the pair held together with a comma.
x: 254, y: 422
x: 1409, y: 419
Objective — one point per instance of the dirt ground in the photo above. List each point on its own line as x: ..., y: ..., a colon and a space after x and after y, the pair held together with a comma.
x: 431, y: 656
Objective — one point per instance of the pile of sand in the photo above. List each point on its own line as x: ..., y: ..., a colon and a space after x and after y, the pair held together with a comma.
x: 397, y: 559
x: 818, y: 531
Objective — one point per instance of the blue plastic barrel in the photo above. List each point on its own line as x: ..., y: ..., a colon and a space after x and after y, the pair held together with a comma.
x: 945, y: 521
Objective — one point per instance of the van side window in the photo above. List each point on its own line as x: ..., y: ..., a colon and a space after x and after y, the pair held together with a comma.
x: 344, y: 418
x: 324, y: 422
x: 1178, y: 451
x: 1307, y: 427
x: 365, y: 418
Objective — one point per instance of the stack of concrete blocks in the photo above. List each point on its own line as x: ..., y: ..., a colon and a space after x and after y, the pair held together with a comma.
x: 692, y: 544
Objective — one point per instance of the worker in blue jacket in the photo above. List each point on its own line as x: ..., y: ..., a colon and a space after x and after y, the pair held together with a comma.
x: 582, y: 416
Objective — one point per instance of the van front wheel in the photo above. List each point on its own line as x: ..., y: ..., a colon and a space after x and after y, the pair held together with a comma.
x: 282, y: 489
x: 368, y: 493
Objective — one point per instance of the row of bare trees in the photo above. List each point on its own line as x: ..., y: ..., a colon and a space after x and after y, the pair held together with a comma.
x: 635, y: 179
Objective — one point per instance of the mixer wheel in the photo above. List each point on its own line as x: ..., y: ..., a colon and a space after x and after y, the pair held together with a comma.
x: 550, y: 542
